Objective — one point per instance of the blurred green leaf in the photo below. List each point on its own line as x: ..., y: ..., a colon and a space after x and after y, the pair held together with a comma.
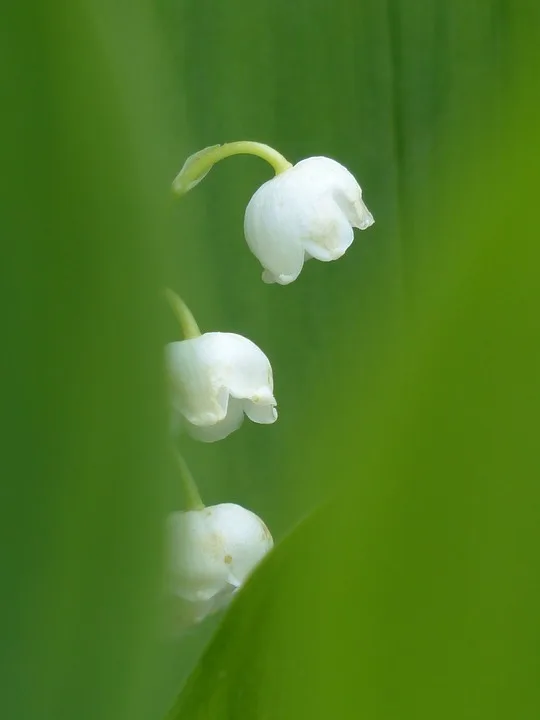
x: 83, y: 485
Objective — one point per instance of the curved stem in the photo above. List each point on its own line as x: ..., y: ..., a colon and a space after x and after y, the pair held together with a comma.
x: 198, y: 165
x: 191, y: 491
x: 190, y: 329
x: 249, y: 147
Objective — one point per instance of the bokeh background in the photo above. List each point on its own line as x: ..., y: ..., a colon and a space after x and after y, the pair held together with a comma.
x: 401, y: 479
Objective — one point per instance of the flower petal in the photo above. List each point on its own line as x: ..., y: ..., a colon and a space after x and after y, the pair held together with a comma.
x: 192, y: 390
x: 196, y: 551
x: 220, y: 430
x: 362, y: 217
x: 238, y: 364
x: 271, y: 232
x: 331, y: 232
x: 247, y: 539
x: 262, y: 414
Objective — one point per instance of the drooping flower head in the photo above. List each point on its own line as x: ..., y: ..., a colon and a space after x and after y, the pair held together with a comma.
x: 211, y: 553
x: 307, y: 211
x: 214, y: 380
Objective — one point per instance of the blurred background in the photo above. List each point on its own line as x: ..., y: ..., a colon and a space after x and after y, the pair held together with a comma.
x: 401, y: 479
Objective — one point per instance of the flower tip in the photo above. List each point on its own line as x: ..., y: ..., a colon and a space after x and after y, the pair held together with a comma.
x: 368, y: 221
x: 364, y: 218
x: 337, y: 252
x: 270, y: 279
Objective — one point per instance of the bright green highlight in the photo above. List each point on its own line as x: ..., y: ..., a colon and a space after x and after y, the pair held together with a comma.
x: 197, y: 166
x: 183, y: 314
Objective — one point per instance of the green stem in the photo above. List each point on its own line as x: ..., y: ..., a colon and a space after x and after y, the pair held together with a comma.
x: 191, y: 491
x: 199, y: 164
x: 247, y: 147
x: 190, y: 329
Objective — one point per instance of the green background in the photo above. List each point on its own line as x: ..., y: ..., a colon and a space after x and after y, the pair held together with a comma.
x: 406, y: 374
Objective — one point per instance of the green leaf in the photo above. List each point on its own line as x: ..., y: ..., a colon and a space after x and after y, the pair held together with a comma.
x: 83, y: 483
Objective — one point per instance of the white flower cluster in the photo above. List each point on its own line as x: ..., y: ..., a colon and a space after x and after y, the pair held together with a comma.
x: 308, y: 210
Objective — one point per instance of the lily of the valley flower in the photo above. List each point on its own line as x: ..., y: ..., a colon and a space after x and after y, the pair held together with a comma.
x: 307, y: 211
x: 211, y: 553
x: 216, y: 378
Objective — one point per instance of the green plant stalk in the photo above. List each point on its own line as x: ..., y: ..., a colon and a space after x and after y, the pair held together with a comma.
x: 191, y: 491
x: 197, y: 166
x: 183, y: 314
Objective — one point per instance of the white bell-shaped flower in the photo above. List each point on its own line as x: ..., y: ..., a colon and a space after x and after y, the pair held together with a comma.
x: 214, y: 380
x: 211, y: 553
x: 307, y: 211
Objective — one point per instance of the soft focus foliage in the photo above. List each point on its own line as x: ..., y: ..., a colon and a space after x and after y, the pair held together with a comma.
x: 83, y: 431
x: 407, y: 373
